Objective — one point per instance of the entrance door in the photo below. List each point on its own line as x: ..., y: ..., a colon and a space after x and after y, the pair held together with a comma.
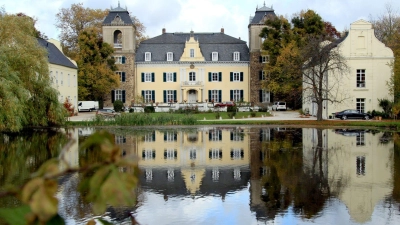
x: 192, y: 96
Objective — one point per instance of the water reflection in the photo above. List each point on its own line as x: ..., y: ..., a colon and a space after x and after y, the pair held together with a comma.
x: 250, y: 175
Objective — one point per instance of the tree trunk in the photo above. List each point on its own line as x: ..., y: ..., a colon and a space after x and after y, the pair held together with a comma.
x: 319, y: 111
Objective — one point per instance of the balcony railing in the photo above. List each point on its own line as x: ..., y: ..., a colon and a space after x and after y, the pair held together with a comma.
x: 117, y: 45
x: 192, y: 83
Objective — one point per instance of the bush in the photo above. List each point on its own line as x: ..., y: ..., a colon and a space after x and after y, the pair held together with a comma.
x: 253, y: 114
x: 118, y: 106
x: 131, y: 110
x: 231, y: 114
x: 232, y: 108
x: 262, y: 109
x: 217, y: 115
x: 149, y: 109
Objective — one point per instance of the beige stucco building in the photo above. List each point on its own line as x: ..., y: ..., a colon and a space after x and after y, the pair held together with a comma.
x: 368, y: 60
x: 192, y: 67
x: 63, y: 72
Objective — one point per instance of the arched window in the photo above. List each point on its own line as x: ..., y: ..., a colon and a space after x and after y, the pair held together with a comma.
x: 117, y: 39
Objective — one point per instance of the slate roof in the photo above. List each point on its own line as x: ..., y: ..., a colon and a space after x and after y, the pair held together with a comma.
x: 55, y: 56
x: 224, y: 44
x: 260, y: 13
x: 122, y: 13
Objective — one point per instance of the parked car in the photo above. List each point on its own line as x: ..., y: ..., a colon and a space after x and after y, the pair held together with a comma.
x: 352, y: 114
x: 279, y: 106
x: 107, y: 113
x: 350, y: 132
x: 223, y: 104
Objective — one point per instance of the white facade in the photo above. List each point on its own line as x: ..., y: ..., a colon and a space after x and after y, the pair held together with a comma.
x: 64, y: 79
x: 368, y: 60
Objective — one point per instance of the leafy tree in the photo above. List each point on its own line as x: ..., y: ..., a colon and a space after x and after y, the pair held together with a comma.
x: 96, y: 76
x: 69, y: 107
x: 118, y: 105
x: 71, y: 21
x: 26, y: 95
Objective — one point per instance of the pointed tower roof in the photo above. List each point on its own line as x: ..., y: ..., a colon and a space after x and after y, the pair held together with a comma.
x: 118, y: 16
x: 260, y: 13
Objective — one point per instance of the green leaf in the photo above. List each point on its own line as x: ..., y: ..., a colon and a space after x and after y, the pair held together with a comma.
x: 15, y: 216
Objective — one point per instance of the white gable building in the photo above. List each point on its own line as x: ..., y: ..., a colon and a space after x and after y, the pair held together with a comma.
x: 368, y: 60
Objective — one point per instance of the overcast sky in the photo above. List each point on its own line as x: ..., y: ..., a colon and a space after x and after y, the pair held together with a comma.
x: 202, y: 15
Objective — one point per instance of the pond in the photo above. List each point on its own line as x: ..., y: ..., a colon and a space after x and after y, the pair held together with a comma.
x: 229, y: 174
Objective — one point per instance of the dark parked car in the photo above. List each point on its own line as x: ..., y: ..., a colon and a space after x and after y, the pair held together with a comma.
x: 352, y: 114
x: 223, y: 104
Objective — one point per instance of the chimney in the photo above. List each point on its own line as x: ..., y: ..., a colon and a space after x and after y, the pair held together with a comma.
x: 222, y: 30
x: 163, y: 30
x: 240, y: 38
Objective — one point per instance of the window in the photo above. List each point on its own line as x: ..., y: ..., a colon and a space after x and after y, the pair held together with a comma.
x: 119, y: 59
x: 215, y: 153
x: 215, y: 95
x: 149, y: 175
x: 119, y: 95
x: 214, y: 56
x: 170, y: 136
x: 150, y: 137
x: 120, y: 139
x: 237, y: 154
x: 360, y: 78
x: 215, y: 174
x: 121, y: 76
x: 215, y: 135
x: 170, y: 56
x: 264, y: 96
x: 148, y: 77
x: 192, y: 154
x: 170, y: 175
x: 148, y: 95
x: 360, y: 104
x: 192, y: 53
x: 236, y: 76
x: 236, y: 56
x: 51, y: 77
x: 169, y: 96
x: 192, y: 76
x: 169, y: 77
x: 265, y: 134
x: 149, y: 154
x: 147, y: 56
x: 360, y: 139
x: 265, y: 59
x: 263, y: 75
x: 360, y: 164
x: 214, y: 77
x: 237, y: 136
x: 61, y: 79
x: 236, y: 173
x: 236, y: 95
x: 57, y: 77
x: 170, y: 154
x: 74, y: 80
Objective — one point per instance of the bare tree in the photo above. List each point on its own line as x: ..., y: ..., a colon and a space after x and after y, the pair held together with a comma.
x: 323, y: 72
x: 387, y: 26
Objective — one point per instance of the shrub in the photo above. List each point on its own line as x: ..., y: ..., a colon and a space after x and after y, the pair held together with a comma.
x: 217, y: 115
x: 131, y: 110
x: 149, y: 109
x: 231, y: 114
x: 118, y: 105
x: 263, y: 109
x: 253, y: 114
x: 232, y: 108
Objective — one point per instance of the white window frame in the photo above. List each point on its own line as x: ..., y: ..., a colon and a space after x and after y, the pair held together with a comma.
x: 170, y: 174
x: 192, y: 76
x: 215, y: 134
x: 147, y: 77
x: 215, y: 174
x: 69, y: 80
x: 236, y: 76
x: 236, y: 173
x: 74, y: 80
x: 192, y: 154
x: 215, y: 153
x: 214, y: 95
x: 264, y: 75
x: 149, y: 137
x: 169, y: 95
x: 148, y: 96
x: 360, y: 104
x: 120, y: 139
x: 147, y: 56
x: 52, y: 78
x: 118, y: 95
x: 61, y: 78
x: 265, y: 96
x: 236, y: 56
x: 214, y: 76
x: 170, y: 136
x: 170, y: 153
x: 169, y: 77
x: 236, y: 95
x: 120, y: 75
x: 214, y: 56
x: 118, y: 59
x: 236, y: 153
x: 360, y: 165
x: 360, y: 139
x: 170, y: 56
x: 57, y: 78
x: 191, y: 54
x: 237, y: 136
x: 265, y: 59
x: 360, y: 78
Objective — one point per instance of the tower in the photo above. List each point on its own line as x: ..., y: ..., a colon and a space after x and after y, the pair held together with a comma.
x: 257, y: 58
x: 119, y: 31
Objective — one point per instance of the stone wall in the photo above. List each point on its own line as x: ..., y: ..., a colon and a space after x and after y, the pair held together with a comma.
x: 255, y: 83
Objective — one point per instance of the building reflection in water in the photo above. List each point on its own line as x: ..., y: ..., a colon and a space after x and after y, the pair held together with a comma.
x: 298, y: 169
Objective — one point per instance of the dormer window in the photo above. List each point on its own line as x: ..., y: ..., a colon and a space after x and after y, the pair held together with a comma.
x: 236, y: 56
x: 147, y: 56
x: 170, y: 56
x: 215, y: 56
x: 192, y: 53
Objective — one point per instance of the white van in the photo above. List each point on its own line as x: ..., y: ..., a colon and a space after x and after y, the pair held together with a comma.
x: 279, y: 106
x: 88, y: 106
